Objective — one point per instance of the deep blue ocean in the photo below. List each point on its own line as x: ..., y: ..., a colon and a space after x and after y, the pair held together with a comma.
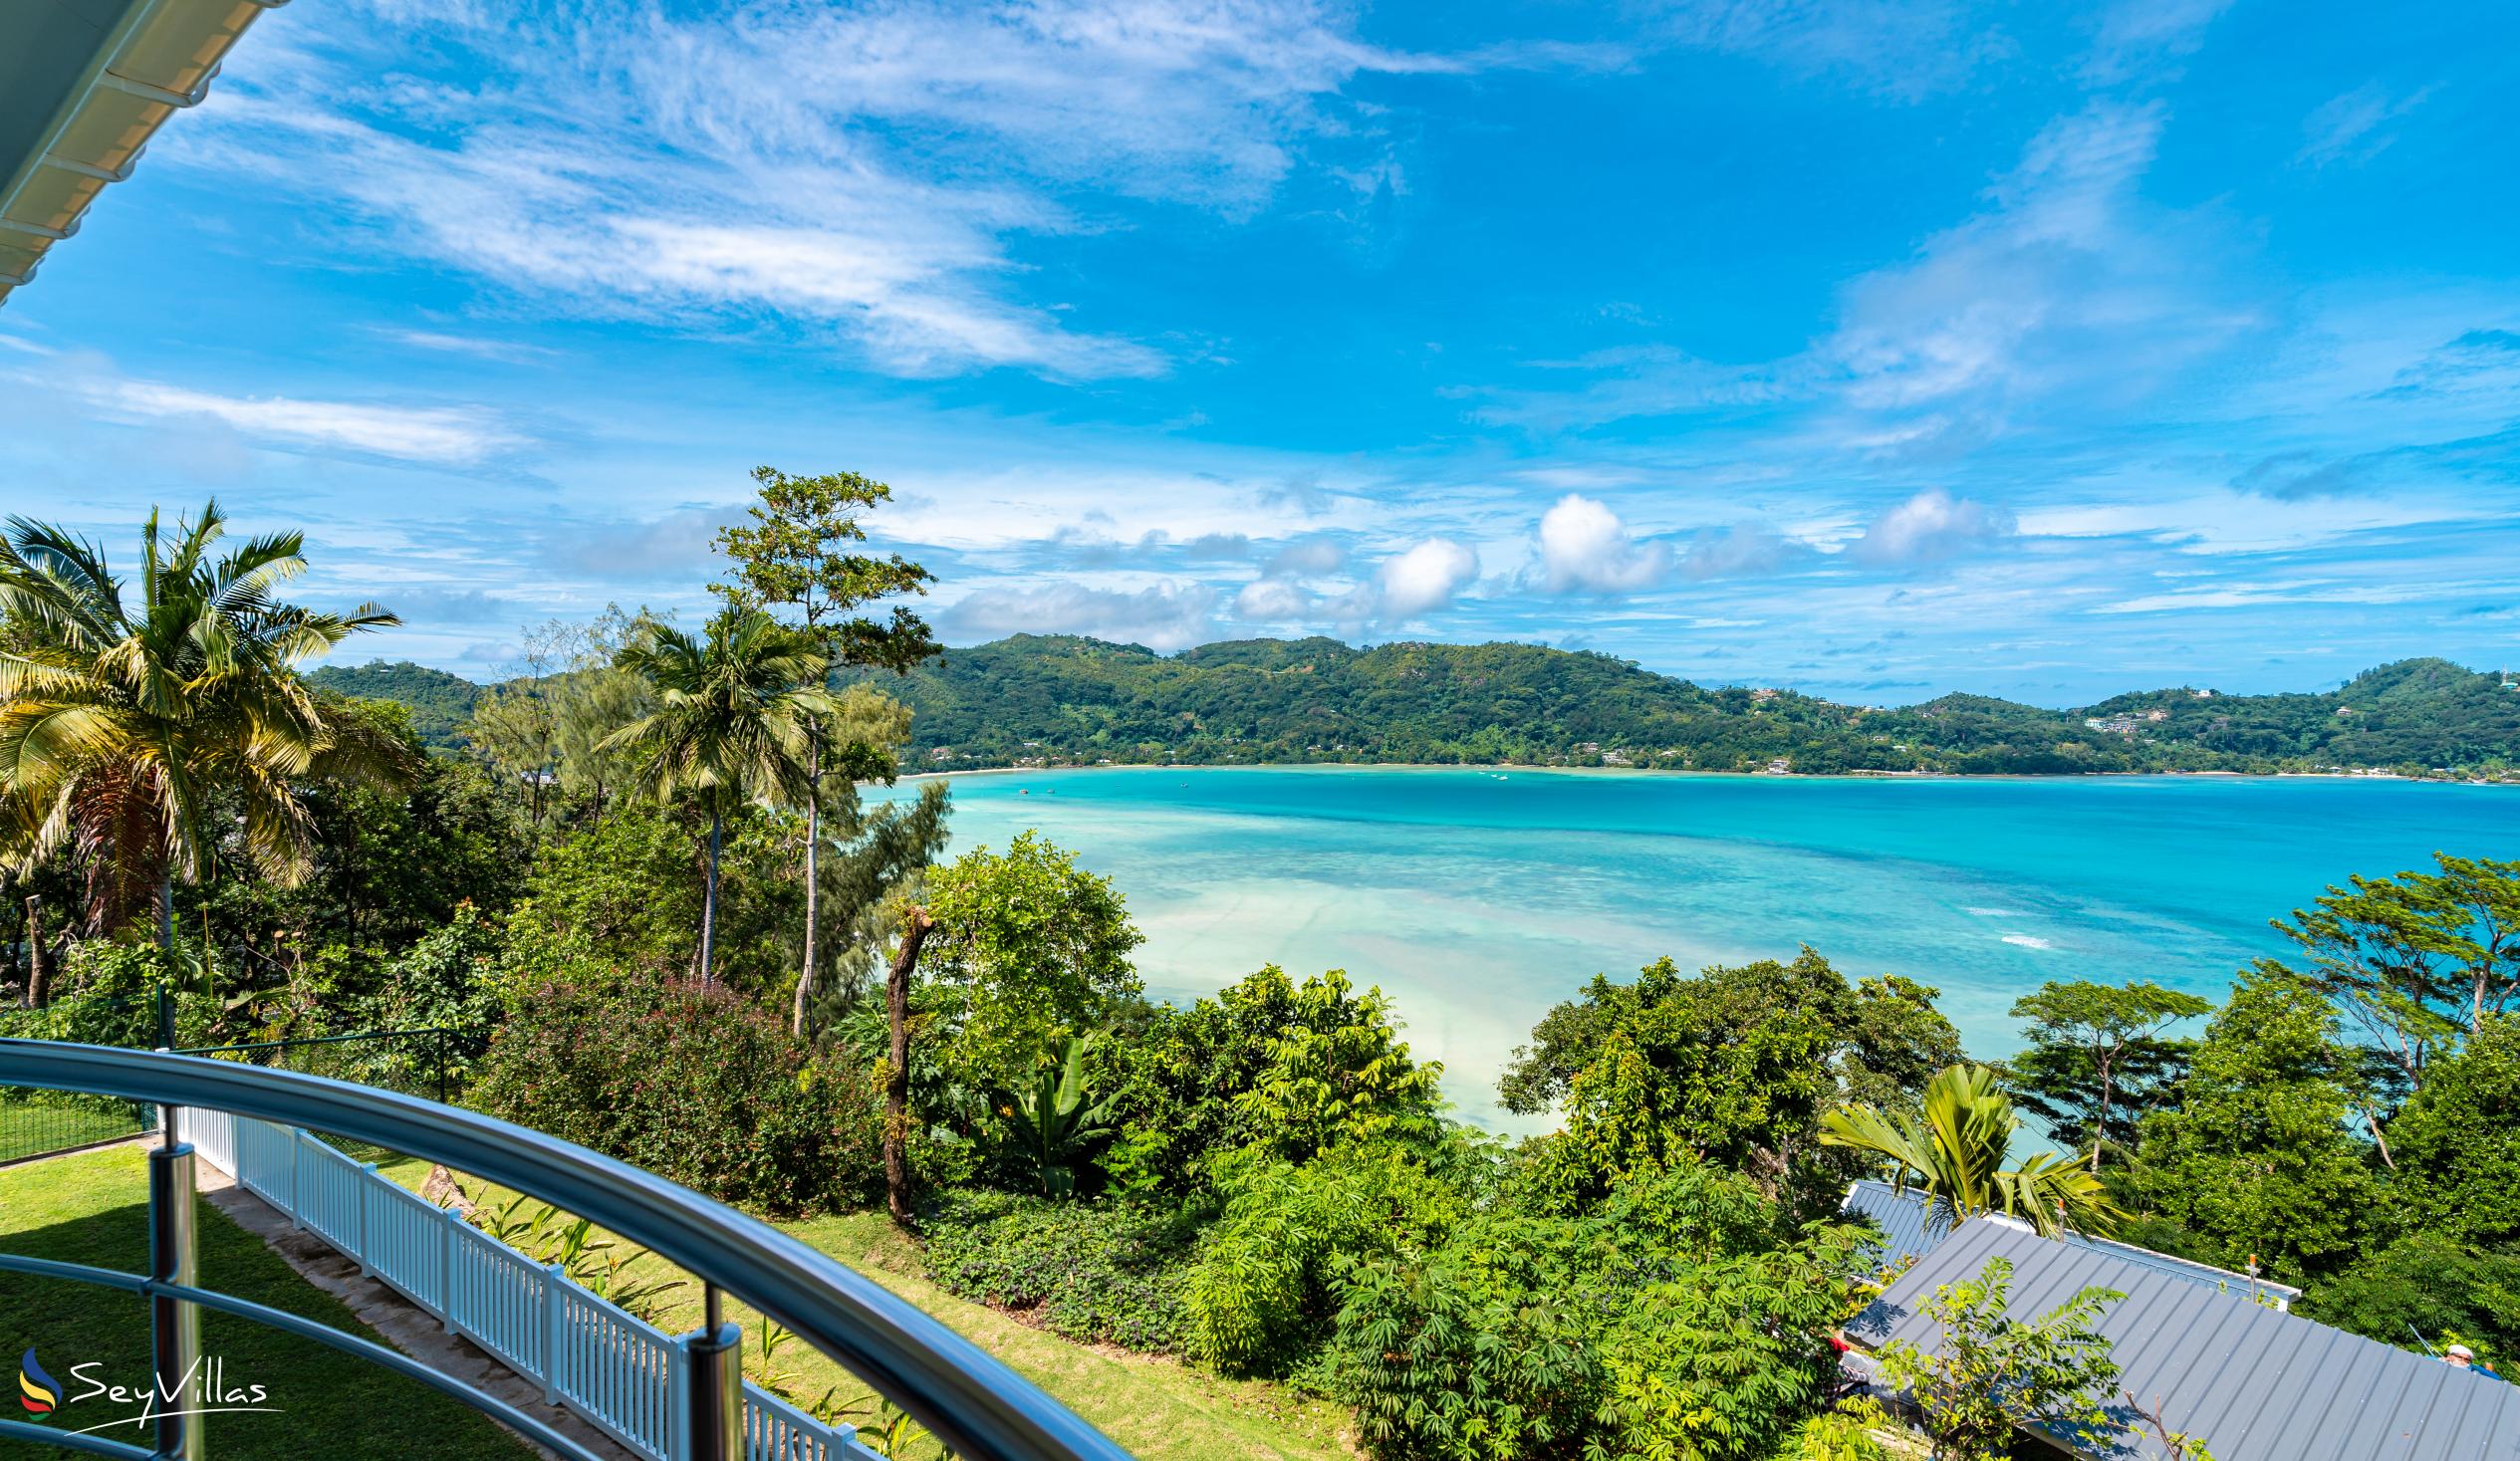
x: 1478, y: 898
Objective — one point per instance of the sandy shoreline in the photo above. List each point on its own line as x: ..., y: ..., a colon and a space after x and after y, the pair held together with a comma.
x: 1532, y: 769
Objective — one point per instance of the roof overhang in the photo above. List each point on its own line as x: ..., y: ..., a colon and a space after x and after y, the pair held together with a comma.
x: 84, y: 86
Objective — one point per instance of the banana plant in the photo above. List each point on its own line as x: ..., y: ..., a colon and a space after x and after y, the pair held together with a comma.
x: 1049, y: 1126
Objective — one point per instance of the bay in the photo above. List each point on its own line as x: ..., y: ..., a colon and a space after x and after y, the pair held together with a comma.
x: 1476, y: 898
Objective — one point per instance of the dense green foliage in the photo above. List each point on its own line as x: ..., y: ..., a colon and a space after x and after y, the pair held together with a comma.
x: 1674, y: 1320
x: 1731, y: 1065
x: 690, y: 1081
x: 2255, y: 1159
x: 2458, y: 1143
x: 1266, y: 700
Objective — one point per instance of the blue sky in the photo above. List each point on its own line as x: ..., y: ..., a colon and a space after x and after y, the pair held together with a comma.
x: 1872, y: 348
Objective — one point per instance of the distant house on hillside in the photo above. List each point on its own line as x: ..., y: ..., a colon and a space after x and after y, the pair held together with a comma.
x: 2250, y: 1381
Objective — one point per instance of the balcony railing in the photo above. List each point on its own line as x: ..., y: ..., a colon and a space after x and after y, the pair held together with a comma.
x: 679, y: 1398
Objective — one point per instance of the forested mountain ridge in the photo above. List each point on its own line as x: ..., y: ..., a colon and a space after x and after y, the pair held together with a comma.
x: 1061, y: 699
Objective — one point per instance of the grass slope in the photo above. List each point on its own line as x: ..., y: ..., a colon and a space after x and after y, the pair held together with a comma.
x: 92, y: 1208
x: 1157, y: 1408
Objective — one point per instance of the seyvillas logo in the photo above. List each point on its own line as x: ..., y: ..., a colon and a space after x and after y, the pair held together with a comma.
x: 37, y: 1391
x: 203, y: 1390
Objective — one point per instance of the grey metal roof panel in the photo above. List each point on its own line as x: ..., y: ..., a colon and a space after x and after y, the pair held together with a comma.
x: 2254, y: 1384
x: 1909, y: 1231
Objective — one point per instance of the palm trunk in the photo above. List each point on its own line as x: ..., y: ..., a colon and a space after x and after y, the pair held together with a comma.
x: 813, y: 880
x: 897, y: 1077
x: 708, y: 900
x: 166, y: 912
x: 39, y: 979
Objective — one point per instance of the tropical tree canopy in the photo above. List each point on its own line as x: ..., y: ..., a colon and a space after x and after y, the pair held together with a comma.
x: 1958, y: 1152
x: 123, y: 721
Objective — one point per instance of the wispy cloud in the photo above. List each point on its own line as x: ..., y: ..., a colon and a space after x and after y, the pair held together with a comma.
x: 1163, y: 616
x: 2354, y: 126
x: 2139, y: 36
x: 438, y: 434
x: 1904, y: 49
x: 864, y: 172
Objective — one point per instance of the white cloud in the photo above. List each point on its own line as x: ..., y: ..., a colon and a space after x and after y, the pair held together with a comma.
x: 1927, y: 528
x: 1422, y: 579
x: 1273, y: 602
x: 1742, y: 550
x: 1308, y: 558
x: 512, y: 352
x: 1584, y: 546
x: 457, y: 435
x: 1164, y: 616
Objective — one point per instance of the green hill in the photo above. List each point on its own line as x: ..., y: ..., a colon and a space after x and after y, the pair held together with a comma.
x: 440, y: 702
x: 1063, y: 699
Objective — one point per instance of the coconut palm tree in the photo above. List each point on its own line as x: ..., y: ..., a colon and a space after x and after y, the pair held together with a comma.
x: 125, y: 722
x: 730, y: 725
x: 1957, y: 1155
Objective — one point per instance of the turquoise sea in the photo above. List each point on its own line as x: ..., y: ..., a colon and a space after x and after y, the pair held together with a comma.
x: 1477, y: 898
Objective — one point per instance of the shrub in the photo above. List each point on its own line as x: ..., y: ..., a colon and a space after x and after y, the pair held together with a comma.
x: 1102, y: 1273
x: 1673, y: 1321
x: 687, y: 1081
x: 1482, y: 1349
x: 1260, y: 1296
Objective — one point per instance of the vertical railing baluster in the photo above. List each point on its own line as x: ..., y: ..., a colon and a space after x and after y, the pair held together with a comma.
x: 553, y: 1300
x: 712, y: 1401
x: 446, y: 1269
x: 176, y: 1325
x: 366, y: 1246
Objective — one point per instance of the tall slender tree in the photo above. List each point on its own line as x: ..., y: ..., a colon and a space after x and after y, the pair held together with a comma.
x: 125, y: 722
x: 2417, y: 961
x: 2100, y: 1057
x: 798, y: 552
x: 733, y: 708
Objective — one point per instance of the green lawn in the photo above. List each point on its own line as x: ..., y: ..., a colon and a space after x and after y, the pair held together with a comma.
x: 1157, y: 1408
x: 29, y: 1128
x: 92, y: 1208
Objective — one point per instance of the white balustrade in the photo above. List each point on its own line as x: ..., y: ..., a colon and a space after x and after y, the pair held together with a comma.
x: 589, y: 1354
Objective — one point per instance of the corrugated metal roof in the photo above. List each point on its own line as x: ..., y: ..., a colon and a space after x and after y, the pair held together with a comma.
x: 1909, y: 1232
x: 2252, y: 1383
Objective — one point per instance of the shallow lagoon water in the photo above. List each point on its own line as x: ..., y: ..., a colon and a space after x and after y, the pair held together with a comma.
x: 1477, y: 898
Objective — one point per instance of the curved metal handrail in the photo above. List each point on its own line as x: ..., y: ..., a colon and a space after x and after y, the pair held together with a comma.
x: 532, y: 1429
x: 971, y: 1401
